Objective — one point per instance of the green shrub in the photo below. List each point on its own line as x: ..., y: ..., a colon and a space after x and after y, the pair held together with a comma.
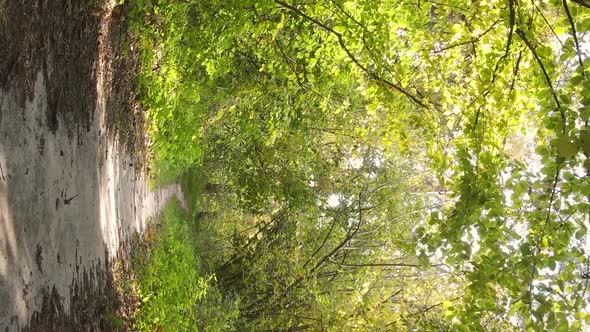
x: 170, y: 283
x: 175, y: 294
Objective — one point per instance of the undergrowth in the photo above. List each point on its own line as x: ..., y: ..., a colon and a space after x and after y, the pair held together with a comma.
x: 174, y: 119
x: 176, y: 291
x: 169, y: 279
x: 192, y: 184
x: 175, y: 294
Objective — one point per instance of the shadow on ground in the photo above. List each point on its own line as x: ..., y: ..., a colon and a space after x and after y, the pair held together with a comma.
x: 71, y: 142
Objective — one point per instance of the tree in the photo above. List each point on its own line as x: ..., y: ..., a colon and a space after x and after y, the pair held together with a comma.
x: 375, y: 106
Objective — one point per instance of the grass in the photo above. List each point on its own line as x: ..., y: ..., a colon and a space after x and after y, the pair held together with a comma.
x: 175, y: 294
x: 170, y: 283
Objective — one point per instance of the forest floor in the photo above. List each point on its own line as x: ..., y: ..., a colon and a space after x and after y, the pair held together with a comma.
x: 73, y: 182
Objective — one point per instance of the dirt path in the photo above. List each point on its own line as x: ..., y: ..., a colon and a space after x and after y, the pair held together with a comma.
x: 70, y: 194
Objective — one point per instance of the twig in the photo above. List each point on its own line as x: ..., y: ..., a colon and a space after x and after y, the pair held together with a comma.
x: 576, y: 41
x: 515, y: 71
x: 527, y: 42
x: 69, y: 200
x: 325, y: 239
x: 347, y: 14
x: 356, y: 61
x: 512, y: 22
x: 379, y: 264
x: 582, y: 3
x: 586, y: 283
x: 548, y: 24
x: 470, y: 41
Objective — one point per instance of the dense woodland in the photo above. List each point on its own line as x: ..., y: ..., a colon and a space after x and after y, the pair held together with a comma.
x: 377, y: 165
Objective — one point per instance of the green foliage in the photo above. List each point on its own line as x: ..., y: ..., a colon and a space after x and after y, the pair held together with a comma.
x: 361, y: 142
x: 167, y: 88
x: 192, y: 183
x: 170, y: 283
x: 175, y: 295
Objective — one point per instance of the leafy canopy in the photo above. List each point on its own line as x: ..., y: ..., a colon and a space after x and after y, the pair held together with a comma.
x: 384, y: 164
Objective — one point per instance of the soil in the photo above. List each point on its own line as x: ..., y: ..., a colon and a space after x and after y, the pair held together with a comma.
x: 73, y: 189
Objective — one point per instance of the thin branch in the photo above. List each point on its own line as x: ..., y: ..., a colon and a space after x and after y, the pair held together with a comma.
x: 527, y: 42
x: 538, y: 249
x: 325, y: 240
x: 548, y: 24
x: 586, y: 283
x: 497, y: 66
x: 470, y: 41
x: 252, y: 240
x: 291, y: 65
x: 379, y: 264
x: 512, y: 22
x: 515, y: 71
x: 347, y: 14
x: 576, y: 41
x: 423, y: 311
x: 552, y: 197
x: 356, y: 61
x: 582, y: 3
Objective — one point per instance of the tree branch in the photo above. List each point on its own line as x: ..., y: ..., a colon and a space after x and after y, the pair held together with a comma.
x: 582, y: 3
x: 527, y: 42
x: 379, y: 264
x: 469, y: 41
x: 574, y: 34
x: 351, y: 56
x: 347, y: 14
x: 325, y: 239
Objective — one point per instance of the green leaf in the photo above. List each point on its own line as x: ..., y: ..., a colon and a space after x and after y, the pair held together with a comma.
x: 565, y: 147
x: 584, y: 141
x: 561, y: 285
x: 340, y: 29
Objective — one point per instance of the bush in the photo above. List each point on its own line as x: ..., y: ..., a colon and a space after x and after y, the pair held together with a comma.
x: 175, y: 294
